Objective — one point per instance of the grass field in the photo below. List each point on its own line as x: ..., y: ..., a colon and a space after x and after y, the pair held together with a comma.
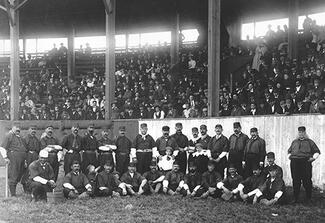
x: 158, y: 208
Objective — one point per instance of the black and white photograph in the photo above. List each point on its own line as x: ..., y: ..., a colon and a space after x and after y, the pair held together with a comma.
x: 172, y: 111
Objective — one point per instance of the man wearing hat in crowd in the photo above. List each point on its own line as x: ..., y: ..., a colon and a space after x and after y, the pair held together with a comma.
x: 123, y: 149
x: 41, y: 177
x: 73, y: 145
x: 302, y: 153
x: 52, y: 145
x: 182, y: 142
x: 16, y: 150
x: 164, y: 141
x: 33, y: 146
x: 205, y: 138
x: 229, y: 184
x: 219, y: 147
x: 142, y: 149
x: 90, y: 146
x: 272, y: 191
x: 254, y: 153
x: 270, y: 157
x: 154, y: 178
x: 174, y: 181
x: 192, y: 182
x: 106, y: 148
x: 135, y: 184
x: 107, y: 183
x: 248, y: 187
x: 76, y: 184
x: 237, y: 143
x: 201, y: 158
x: 209, y: 182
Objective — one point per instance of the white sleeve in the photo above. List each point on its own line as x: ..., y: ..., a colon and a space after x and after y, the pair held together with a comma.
x: 88, y: 186
x: 60, y: 156
x: 175, y: 153
x: 3, y: 152
x: 102, y: 188
x: 253, y: 192
x: 40, y: 180
x: 133, y: 153
x: 165, y: 183
x: 223, y: 154
x: 316, y: 155
x: 104, y: 148
x: 258, y: 193
x: 185, y: 186
x: 155, y: 152
x: 220, y: 185
x: 181, y: 184
x: 122, y: 186
x: 278, y: 194
x: 196, y: 188
x: 68, y: 185
x: 208, y: 153
x: 240, y: 187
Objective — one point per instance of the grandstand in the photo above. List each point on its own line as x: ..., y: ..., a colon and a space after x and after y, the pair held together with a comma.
x: 119, y: 63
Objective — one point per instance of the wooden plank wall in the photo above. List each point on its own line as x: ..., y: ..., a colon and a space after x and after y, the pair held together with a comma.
x: 278, y: 132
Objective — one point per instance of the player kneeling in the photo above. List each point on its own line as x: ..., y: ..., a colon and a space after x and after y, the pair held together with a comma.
x: 192, y: 182
x: 273, y: 190
x: 76, y: 184
x: 134, y: 183
x: 174, y: 181
x: 154, y: 178
x: 230, y: 184
x: 107, y: 183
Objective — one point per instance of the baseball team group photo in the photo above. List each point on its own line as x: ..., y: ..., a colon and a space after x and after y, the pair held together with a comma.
x: 162, y: 111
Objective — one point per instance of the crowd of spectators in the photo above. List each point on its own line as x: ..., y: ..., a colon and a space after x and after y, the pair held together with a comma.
x: 276, y: 84
x: 148, y: 87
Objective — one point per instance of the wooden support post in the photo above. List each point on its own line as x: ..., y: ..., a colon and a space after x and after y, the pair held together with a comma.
x: 14, y: 61
x: 214, y: 57
x: 293, y: 28
x: 71, y: 57
x: 174, y: 48
x: 110, y: 57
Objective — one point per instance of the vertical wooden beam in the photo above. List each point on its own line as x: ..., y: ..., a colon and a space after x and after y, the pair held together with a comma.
x: 110, y: 59
x: 174, y: 48
x: 71, y: 57
x: 126, y: 42
x: 214, y: 57
x: 293, y: 28
x: 14, y: 63
x: 24, y: 47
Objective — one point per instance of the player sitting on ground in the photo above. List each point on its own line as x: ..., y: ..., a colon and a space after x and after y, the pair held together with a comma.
x: 249, y: 187
x: 209, y: 182
x: 230, y: 184
x: 135, y: 184
x: 107, y: 183
x: 76, y: 184
x: 154, y: 178
x: 174, y: 181
x: 273, y: 190
x: 192, y: 182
